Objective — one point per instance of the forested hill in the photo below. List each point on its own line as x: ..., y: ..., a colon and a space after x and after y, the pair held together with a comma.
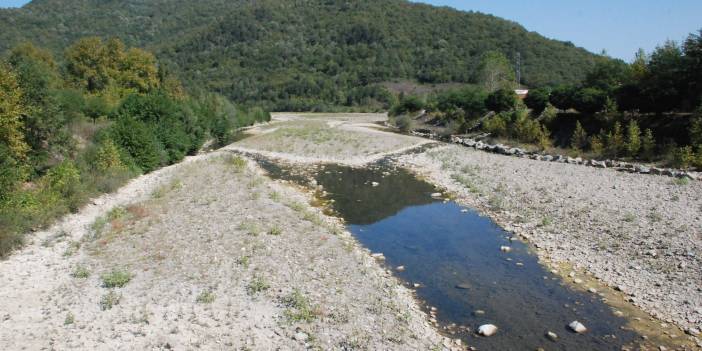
x: 300, y: 54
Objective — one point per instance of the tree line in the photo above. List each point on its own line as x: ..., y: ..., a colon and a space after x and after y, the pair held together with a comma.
x: 650, y: 109
x: 106, y: 113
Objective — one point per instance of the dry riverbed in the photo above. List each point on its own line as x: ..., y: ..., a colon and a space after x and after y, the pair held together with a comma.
x: 640, y: 235
x: 207, y: 254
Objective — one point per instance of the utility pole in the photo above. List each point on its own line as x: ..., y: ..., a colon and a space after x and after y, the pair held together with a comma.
x: 519, y: 70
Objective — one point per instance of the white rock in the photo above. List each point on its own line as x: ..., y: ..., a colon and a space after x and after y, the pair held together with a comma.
x: 487, y: 330
x: 436, y: 195
x: 577, y: 327
x: 375, y: 183
x: 301, y: 336
x: 400, y: 268
x: 505, y: 248
x: 552, y: 336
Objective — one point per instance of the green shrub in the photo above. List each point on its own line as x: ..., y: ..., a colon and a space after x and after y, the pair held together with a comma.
x: 501, y: 100
x: 138, y: 139
x: 403, y: 123
x: 579, y: 138
x: 116, y: 278
x: 206, y: 297
x: 683, y: 157
x: 496, y: 125
x: 648, y: 145
x: 633, y: 139
x: 110, y: 300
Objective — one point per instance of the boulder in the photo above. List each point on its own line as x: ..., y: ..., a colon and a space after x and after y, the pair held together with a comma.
x: 547, y: 158
x: 551, y: 335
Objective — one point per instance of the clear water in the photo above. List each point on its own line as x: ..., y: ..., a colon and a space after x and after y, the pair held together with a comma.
x: 455, y: 256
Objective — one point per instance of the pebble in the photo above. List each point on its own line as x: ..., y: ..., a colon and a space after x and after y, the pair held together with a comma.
x: 375, y: 184
x: 505, y: 248
x: 400, y: 268
x: 577, y: 327
x: 487, y: 330
x: 301, y: 336
x: 551, y: 336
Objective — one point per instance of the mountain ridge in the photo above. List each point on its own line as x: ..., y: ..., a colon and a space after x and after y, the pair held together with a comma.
x: 300, y: 54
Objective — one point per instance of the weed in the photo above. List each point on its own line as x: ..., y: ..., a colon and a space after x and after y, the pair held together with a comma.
x: 275, y: 230
x: 72, y: 248
x: 70, y: 319
x: 206, y: 297
x: 243, y: 261
x: 116, y: 213
x: 110, y: 300
x: 250, y: 228
x: 116, y: 279
x: 275, y: 196
x: 237, y: 163
x: 546, y: 221
x: 681, y: 181
x: 80, y: 272
x: 299, y: 308
x: 629, y: 217
x: 296, y: 206
x: 257, y: 285
x: 98, y: 226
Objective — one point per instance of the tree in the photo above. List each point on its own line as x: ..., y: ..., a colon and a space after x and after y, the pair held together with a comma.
x: 608, y: 75
x: 648, y: 145
x: 562, y: 97
x: 537, y: 99
x: 500, y: 100
x: 495, y: 72
x: 692, y: 49
x: 633, y: 139
x: 579, y: 138
x: 696, y: 128
x: 11, y: 109
x: 589, y: 100
x: 615, y: 140
x: 596, y: 144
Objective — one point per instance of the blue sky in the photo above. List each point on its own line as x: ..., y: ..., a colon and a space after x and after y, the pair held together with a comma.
x: 618, y: 26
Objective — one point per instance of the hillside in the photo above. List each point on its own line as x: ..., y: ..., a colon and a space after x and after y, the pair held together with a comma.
x: 300, y: 54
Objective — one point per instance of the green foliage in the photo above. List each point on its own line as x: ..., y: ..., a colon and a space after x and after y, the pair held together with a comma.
x: 683, y: 157
x: 299, y: 308
x: 116, y: 278
x: 597, y: 144
x: 503, y: 99
x: 301, y: 56
x: 696, y: 128
x: 589, y: 100
x: 410, y: 103
x: 579, y: 139
x: 633, y: 139
x: 11, y: 110
x: 404, y: 123
x: 562, y: 97
x: 495, y: 72
x: 537, y: 100
x: 206, y: 297
x: 139, y: 141
x: 648, y: 145
x: 615, y: 141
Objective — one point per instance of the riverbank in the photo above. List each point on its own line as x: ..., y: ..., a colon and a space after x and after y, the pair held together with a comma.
x: 206, y: 254
x: 638, y: 234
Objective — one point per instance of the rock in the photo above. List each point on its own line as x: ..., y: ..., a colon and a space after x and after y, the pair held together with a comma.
x: 436, y: 195
x: 656, y: 171
x: 416, y: 285
x: 547, y: 158
x: 692, y: 331
x: 577, y: 327
x: 375, y: 184
x: 642, y: 169
x: 478, y: 312
x: 302, y: 337
x: 592, y: 290
x: 487, y: 330
x: 551, y: 335
x: 598, y: 164
x: 464, y: 210
x: 505, y: 248
x: 400, y: 268
x: 577, y: 281
x: 378, y: 256
x: 480, y: 145
x: 463, y: 286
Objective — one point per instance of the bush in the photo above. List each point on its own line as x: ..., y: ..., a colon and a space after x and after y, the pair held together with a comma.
x: 407, y: 104
x: 648, y: 145
x: 496, y: 125
x: 579, y: 139
x: 537, y: 100
x: 597, y: 144
x: 139, y: 141
x: 615, y: 141
x: 115, y: 278
x: 683, y: 157
x: 404, y: 123
x: 501, y: 100
x: 633, y: 139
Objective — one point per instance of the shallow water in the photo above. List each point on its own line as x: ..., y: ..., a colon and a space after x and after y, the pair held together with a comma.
x: 443, y: 247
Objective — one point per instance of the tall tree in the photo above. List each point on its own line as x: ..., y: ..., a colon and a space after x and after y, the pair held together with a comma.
x: 495, y: 72
x: 11, y: 110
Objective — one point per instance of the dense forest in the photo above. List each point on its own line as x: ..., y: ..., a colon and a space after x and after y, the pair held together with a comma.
x: 301, y: 55
x: 650, y: 109
x: 84, y: 126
